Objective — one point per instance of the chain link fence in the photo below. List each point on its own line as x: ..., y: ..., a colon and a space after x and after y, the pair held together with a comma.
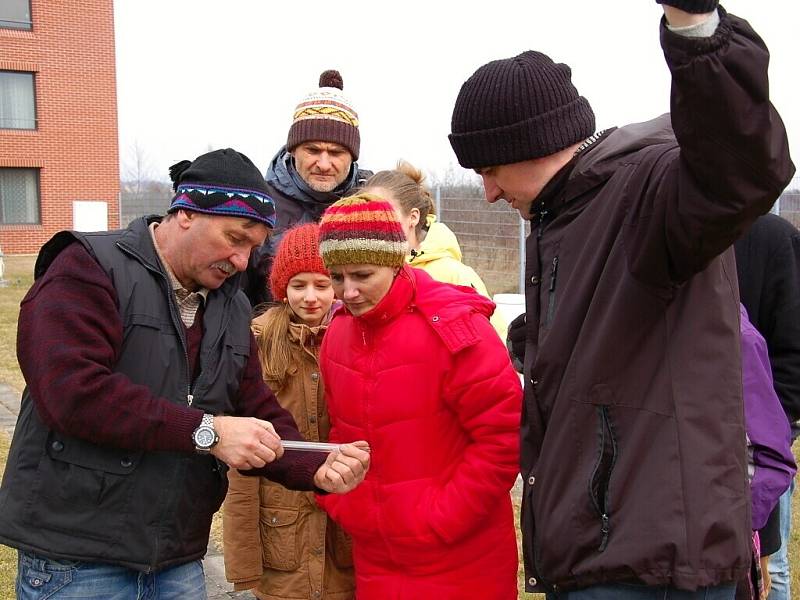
x: 492, y: 236
x: 788, y: 205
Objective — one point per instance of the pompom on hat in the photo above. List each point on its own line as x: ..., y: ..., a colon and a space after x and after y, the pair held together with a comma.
x: 298, y: 252
x: 362, y: 230
x: 222, y: 182
x: 326, y: 115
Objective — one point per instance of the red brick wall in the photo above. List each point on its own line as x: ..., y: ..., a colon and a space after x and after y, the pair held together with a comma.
x: 70, y: 50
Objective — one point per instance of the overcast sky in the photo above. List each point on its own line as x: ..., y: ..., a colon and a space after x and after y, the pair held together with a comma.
x: 200, y: 74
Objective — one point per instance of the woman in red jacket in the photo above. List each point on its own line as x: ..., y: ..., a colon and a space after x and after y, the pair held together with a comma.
x: 414, y: 367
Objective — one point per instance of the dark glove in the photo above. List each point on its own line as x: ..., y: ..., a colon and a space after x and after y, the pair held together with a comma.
x: 515, y: 342
x: 692, y: 6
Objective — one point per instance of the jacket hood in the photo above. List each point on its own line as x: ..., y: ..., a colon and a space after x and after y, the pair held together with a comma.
x: 440, y: 242
x: 449, y: 302
x: 601, y: 160
x: 283, y: 176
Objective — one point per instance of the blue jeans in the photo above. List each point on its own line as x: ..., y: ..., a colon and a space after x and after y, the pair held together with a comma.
x: 624, y: 591
x: 779, y: 562
x: 42, y: 578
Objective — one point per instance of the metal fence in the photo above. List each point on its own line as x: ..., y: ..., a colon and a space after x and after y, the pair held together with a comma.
x: 135, y: 206
x: 788, y: 205
x: 492, y: 236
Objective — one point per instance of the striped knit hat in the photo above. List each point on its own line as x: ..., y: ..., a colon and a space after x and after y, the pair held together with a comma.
x: 298, y: 252
x: 325, y: 115
x: 362, y: 230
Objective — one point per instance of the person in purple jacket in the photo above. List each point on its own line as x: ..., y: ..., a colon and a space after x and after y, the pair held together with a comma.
x: 771, y: 465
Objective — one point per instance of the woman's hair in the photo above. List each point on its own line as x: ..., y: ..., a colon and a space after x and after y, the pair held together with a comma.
x: 405, y: 185
x: 274, y: 347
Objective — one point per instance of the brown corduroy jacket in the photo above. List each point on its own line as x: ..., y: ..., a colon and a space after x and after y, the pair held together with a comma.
x: 277, y: 542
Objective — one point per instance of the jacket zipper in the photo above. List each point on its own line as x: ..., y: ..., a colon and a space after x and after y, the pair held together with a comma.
x: 601, y: 475
x: 551, y: 302
x: 542, y: 216
x: 528, y: 523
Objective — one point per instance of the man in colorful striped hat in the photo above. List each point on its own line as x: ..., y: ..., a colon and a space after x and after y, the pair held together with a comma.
x: 143, y: 383
x: 315, y: 168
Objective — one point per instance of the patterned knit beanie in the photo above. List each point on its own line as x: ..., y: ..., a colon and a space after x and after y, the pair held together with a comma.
x: 516, y: 109
x: 362, y: 230
x: 298, y: 252
x: 222, y: 182
x: 325, y: 115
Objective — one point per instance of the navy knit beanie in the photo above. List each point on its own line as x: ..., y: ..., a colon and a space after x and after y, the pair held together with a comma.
x: 222, y: 182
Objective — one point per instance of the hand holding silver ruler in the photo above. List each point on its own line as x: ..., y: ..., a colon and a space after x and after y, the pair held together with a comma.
x: 311, y: 446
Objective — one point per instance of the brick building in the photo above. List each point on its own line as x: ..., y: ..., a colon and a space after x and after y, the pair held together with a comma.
x: 59, y: 162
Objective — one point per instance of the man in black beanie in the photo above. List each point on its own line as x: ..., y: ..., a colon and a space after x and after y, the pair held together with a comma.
x: 633, y: 445
x: 143, y: 386
x: 315, y: 168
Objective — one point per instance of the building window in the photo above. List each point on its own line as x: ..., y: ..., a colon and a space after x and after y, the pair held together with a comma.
x: 19, y: 196
x: 17, y: 104
x: 15, y: 14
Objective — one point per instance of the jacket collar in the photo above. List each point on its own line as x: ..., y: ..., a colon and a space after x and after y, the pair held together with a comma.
x: 306, y: 336
x: 283, y: 176
x: 137, y: 241
x: 397, y: 300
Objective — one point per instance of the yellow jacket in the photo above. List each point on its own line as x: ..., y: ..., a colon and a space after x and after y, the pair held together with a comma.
x: 440, y: 256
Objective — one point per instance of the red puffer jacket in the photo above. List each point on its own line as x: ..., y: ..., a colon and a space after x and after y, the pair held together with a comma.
x: 425, y: 380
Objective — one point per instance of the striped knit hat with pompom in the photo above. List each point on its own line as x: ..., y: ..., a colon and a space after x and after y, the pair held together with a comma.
x: 326, y: 115
x: 362, y: 230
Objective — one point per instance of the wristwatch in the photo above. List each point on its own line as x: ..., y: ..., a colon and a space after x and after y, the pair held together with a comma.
x: 205, y: 436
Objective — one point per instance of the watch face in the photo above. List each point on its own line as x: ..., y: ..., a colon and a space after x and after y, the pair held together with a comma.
x: 204, y: 437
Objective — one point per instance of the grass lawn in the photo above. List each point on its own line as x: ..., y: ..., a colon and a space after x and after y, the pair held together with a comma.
x: 19, y: 271
x: 19, y: 274
x: 8, y: 557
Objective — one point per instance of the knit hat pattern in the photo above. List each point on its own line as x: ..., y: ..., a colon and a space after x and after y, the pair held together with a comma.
x: 516, y: 109
x: 298, y: 252
x: 362, y: 230
x: 326, y: 115
x: 222, y: 182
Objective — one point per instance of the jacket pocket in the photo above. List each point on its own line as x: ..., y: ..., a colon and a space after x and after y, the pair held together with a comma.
x: 76, y: 481
x: 599, y: 483
x: 341, y: 545
x: 279, y: 527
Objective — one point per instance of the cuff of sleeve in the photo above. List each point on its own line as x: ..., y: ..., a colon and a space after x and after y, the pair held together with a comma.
x: 247, y: 584
x: 294, y: 471
x: 301, y: 474
x: 696, y: 7
x: 699, y: 30
x: 680, y: 49
x: 181, y: 423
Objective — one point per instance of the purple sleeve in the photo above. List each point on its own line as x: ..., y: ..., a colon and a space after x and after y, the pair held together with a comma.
x: 766, y: 425
x: 295, y: 470
x: 68, y: 340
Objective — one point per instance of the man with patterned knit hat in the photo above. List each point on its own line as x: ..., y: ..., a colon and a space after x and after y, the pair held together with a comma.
x: 632, y: 444
x: 142, y: 385
x: 315, y: 168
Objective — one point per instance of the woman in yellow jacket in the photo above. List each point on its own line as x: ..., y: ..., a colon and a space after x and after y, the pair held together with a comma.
x: 278, y: 542
x: 434, y: 247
